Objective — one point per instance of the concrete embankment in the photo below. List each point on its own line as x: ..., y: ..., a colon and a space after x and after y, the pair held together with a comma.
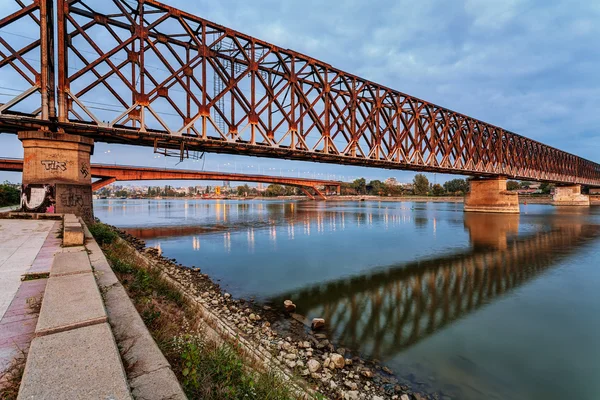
x: 85, y: 319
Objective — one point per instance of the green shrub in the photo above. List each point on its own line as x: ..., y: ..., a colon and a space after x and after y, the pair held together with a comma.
x: 217, y: 372
x: 103, y: 234
x: 9, y: 194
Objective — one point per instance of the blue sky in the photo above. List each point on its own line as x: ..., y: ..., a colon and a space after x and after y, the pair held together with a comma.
x: 528, y: 66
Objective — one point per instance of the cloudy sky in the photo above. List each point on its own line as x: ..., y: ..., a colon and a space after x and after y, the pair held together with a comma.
x: 530, y: 66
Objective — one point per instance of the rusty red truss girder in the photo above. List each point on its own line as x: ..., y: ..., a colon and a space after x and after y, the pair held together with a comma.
x: 110, y: 173
x: 140, y: 71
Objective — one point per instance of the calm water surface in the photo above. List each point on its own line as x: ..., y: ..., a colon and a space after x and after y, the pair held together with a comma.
x: 475, y: 306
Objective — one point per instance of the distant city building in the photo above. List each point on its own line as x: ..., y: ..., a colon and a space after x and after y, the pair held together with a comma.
x: 392, y: 181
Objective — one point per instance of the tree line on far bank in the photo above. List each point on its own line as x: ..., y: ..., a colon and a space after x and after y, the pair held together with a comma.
x: 422, y: 187
x: 10, y: 194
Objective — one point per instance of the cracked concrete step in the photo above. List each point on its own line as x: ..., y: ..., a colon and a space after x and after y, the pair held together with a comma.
x: 70, y: 301
x: 82, y: 363
x: 73, y: 261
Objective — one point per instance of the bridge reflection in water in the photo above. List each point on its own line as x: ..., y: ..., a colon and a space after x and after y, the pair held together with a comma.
x: 383, y: 313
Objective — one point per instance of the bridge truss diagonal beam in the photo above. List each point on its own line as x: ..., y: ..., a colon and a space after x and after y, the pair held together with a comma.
x: 161, y: 74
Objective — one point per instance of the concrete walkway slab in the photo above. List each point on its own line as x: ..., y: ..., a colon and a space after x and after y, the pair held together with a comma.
x: 70, y: 301
x: 45, y: 257
x: 82, y: 363
x: 72, y: 262
x: 20, y: 242
x: 17, y: 327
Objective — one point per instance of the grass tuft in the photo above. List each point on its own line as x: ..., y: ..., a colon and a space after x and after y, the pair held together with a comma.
x: 10, y: 379
x: 103, y: 234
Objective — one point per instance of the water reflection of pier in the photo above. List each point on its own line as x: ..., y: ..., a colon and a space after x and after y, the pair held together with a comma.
x: 388, y: 311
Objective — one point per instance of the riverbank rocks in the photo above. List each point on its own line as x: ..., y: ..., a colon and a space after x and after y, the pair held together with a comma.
x: 338, y: 361
x: 309, y: 354
x: 254, y: 317
x: 313, y: 365
x: 366, y: 373
x: 289, y: 306
x: 317, y: 323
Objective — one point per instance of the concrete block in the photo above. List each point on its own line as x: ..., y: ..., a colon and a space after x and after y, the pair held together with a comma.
x: 570, y: 196
x: 160, y: 384
x: 70, y: 218
x: 70, y: 301
x: 82, y: 363
x: 69, y: 263
x: 72, y: 249
x: 131, y: 333
x: 490, y: 196
x: 72, y: 236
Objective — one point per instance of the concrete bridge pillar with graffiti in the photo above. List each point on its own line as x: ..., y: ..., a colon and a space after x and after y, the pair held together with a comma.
x: 56, y: 173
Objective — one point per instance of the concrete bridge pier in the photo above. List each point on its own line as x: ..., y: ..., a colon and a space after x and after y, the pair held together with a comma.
x: 56, y: 173
x: 570, y: 195
x: 490, y: 195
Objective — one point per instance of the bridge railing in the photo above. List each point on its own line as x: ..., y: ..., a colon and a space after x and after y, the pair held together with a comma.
x: 145, y: 71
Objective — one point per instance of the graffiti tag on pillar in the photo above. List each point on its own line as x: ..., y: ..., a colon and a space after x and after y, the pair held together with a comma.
x: 38, y: 198
x: 55, y: 166
x: 84, y: 170
x: 75, y: 199
x: 72, y: 197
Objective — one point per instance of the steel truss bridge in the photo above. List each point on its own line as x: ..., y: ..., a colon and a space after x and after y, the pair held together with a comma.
x: 112, y: 173
x: 389, y: 311
x: 145, y: 73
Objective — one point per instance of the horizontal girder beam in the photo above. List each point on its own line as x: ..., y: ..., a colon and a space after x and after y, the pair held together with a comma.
x: 112, y: 173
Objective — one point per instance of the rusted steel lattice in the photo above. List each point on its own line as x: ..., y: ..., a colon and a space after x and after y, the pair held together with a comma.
x: 26, y: 59
x: 144, y: 72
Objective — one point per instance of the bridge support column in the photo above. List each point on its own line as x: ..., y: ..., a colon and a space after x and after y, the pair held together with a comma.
x: 56, y: 173
x: 490, y: 195
x: 570, y: 196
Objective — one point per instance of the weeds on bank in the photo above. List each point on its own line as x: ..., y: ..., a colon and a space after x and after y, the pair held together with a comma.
x: 10, y: 380
x: 205, y: 370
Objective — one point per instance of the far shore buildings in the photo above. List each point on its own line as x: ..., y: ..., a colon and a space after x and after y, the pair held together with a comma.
x: 394, y: 182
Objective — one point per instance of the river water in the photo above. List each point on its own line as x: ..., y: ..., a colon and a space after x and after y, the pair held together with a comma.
x: 474, y: 306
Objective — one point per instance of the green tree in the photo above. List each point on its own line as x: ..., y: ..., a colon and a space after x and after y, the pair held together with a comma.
x: 456, y: 186
x: 290, y: 190
x: 525, y: 184
x: 274, y: 190
x: 420, y: 185
x: 243, y: 190
x: 360, y: 185
x: 438, y: 190
x: 393, y: 190
x: 9, y: 194
x: 376, y: 187
x: 512, y: 185
x: 546, y: 187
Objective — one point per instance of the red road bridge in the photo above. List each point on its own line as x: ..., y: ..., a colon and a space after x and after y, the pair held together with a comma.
x: 147, y: 74
x: 112, y: 173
